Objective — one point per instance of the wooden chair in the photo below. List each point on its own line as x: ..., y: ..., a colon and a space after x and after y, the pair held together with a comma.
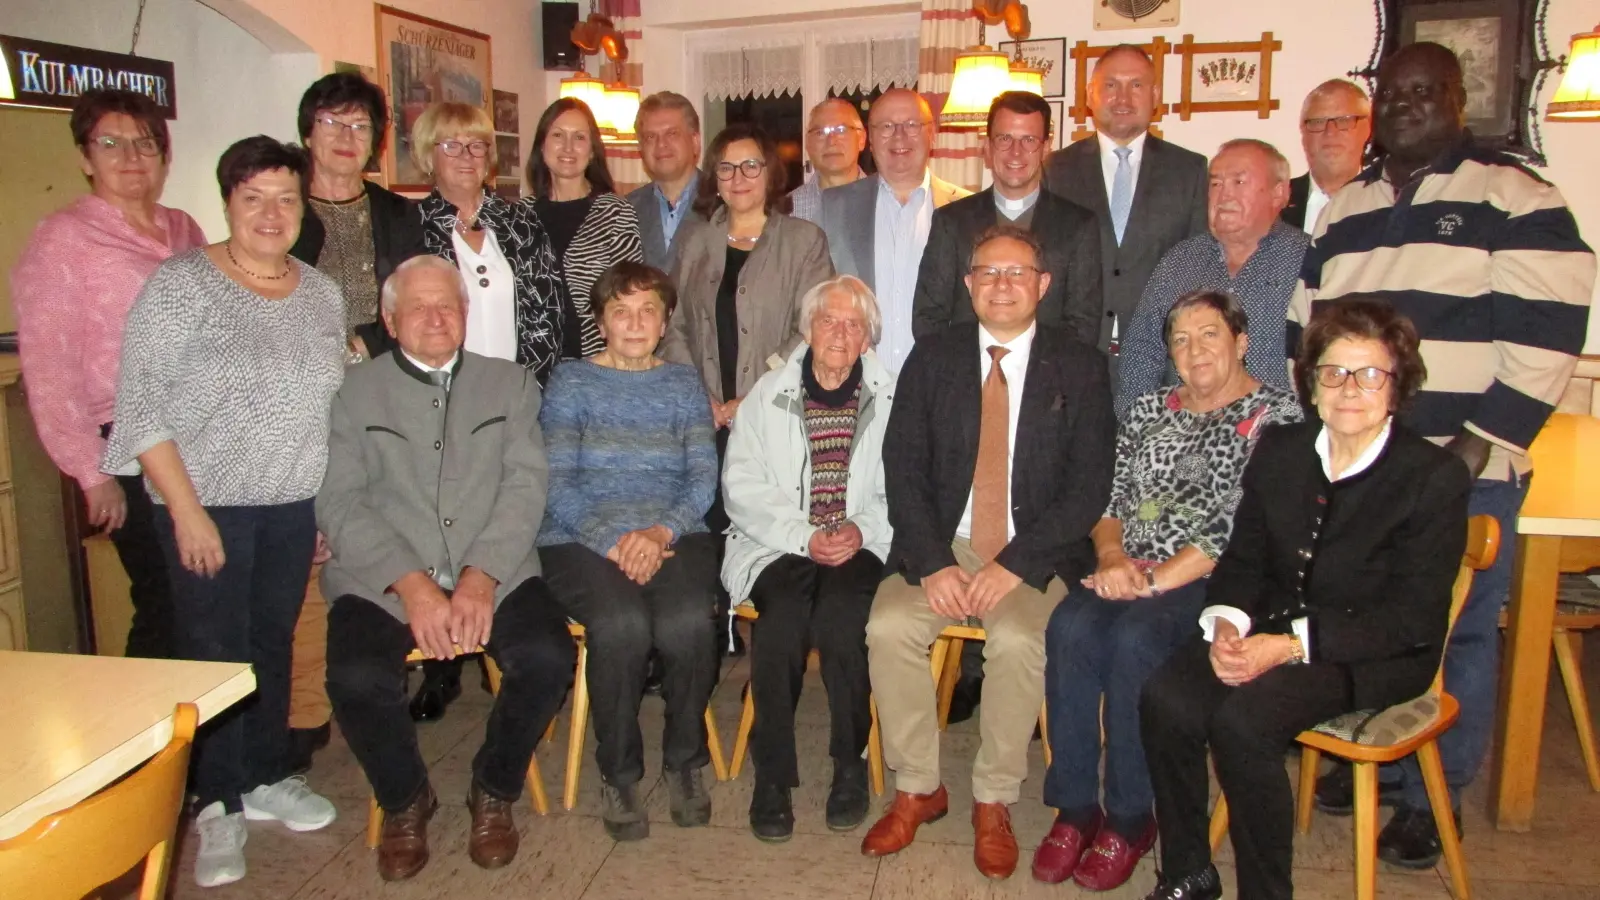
x: 578, y: 729
x: 536, y: 794
x: 1395, y: 733
x: 71, y: 853
x: 945, y: 661
x: 747, y: 720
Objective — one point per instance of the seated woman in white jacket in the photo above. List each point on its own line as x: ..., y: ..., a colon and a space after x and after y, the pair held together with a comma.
x: 803, y: 485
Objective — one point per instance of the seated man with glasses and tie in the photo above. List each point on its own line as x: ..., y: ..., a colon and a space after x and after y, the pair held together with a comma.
x: 432, y: 500
x: 997, y: 463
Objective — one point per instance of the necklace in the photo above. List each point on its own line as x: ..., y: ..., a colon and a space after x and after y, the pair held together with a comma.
x: 471, y: 224
x: 228, y: 247
x: 743, y: 240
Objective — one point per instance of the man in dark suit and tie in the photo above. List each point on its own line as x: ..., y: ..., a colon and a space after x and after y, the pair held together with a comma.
x: 1335, y: 125
x: 669, y: 148
x: 1018, y: 132
x: 997, y: 463
x: 1149, y: 194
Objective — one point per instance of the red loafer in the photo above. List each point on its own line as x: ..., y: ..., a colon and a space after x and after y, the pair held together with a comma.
x: 1058, y: 854
x: 1110, y: 860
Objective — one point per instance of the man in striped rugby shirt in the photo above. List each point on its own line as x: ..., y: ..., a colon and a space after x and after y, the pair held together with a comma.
x: 1484, y: 256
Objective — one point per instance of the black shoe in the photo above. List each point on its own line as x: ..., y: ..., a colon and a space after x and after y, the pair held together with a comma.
x: 305, y: 741
x: 688, y: 797
x: 771, y: 813
x: 848, y: 799
x: 1336, y: 792
x: 1205, y: 884
x: 654, y: 674
x: 1411, y: 839
x: 436, y: 694
x: 623, y: 813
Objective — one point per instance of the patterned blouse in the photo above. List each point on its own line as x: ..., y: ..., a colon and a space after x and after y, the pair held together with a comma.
x: 347, y: 255
x: 1178, y: 474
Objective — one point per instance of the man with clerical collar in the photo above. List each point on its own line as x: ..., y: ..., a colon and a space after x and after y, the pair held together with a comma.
x: 432, y: 499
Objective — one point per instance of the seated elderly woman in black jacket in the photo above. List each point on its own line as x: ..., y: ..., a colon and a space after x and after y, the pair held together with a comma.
x: 1333, y: 596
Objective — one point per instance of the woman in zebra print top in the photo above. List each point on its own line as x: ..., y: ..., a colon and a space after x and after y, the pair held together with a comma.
x: 590, y: 226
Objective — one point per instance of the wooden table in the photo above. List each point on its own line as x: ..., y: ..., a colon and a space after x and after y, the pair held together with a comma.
x: 1563, y: 502
x: 74, y: 724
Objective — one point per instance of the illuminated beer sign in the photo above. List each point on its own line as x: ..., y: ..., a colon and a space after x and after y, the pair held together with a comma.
x: 53, y: 76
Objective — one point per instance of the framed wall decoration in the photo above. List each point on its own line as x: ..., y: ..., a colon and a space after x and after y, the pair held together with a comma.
x: 1082, y: 54
x: 1228, y: 76
x: 1058, y: 125
x: 1049, y: 54
x: 506, y: 118
x: 1483, y: 34
x: 1118, y: 15
x: 423, y: 61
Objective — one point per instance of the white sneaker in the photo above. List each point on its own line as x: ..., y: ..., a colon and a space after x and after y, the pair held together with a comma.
x: 291, y: 802
x: 222, y: 836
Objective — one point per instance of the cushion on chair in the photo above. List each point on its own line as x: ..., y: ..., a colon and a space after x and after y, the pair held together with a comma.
x: 1383, y: 728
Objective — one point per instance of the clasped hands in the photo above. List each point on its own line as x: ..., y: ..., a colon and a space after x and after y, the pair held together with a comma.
x: 1117, y: 578
x: 956, y: 593
x: 836, y: 547
x: 1238, y: 660
x: 640, y: 553
x: 442, y: 623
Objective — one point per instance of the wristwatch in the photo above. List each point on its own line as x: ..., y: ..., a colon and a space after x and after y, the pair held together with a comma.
x: 1150, y: 578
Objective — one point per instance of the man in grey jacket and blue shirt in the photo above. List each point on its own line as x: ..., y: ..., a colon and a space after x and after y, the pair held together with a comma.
x: 433, y: 496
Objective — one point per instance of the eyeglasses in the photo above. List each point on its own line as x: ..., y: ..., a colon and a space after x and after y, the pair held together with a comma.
x: 361, y: 131
x: 1370, y: 379
x: 1322, y: 123
x: 144, y: 146
x: 832, y: 131
x: 1004, y: 142
x: 750, y: 168
x: 987, y: 275
x: 886, y: 130
x: 478, y: 149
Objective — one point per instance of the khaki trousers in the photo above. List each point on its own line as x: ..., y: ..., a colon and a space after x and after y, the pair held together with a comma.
x: 308, y: 675
x: 900, y: 635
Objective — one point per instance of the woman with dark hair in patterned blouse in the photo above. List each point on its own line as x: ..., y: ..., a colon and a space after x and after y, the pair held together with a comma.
x: 1181, y: 453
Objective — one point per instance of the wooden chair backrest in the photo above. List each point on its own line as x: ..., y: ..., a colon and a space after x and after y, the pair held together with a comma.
x: 75, y: 851
x: 1483, y: 546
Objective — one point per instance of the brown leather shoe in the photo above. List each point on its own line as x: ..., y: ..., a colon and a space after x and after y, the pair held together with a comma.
x: 403, y: 847
x: 895, y: 831
x: 493, y: 841
x: 994, y: 847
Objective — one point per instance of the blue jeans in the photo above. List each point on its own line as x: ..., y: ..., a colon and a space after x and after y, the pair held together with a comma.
x: 1472, y: 658
x: 1098, y: 648
x: 245, y: 613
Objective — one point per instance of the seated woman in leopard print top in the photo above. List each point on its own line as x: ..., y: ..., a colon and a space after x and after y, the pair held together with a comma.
x: 1181, y: 453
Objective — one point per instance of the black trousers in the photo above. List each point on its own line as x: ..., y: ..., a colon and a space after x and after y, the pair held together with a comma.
x: 1183, y: 711
x: 806, y: 605
x: 244, y: 613
x: 367, y: 648
x: 673, y: 614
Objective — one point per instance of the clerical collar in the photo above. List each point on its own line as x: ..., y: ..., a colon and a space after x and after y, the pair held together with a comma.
x: 1013, y: 208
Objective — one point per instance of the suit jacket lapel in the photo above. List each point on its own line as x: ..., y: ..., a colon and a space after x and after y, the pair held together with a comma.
x: 1148, y: 186
x: 863, y: 218
x: 655, y: 245
x: 1038, y: 393
x: 1093, y: 183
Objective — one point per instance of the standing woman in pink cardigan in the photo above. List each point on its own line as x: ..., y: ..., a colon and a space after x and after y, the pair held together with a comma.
x: 72, y: 290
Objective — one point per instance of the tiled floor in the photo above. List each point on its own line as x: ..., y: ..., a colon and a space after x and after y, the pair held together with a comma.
x: 567, y: 855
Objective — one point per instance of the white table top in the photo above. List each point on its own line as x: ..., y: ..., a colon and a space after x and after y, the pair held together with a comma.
x: 74, y: 724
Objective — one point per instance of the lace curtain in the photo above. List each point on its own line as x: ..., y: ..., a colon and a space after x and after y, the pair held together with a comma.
x: 752, y: 71
x: 867, y: 65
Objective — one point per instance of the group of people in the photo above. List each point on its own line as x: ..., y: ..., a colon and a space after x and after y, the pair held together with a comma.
x: 1168, y: 430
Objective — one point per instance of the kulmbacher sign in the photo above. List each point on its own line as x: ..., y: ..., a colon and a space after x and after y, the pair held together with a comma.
x: 53, y: 76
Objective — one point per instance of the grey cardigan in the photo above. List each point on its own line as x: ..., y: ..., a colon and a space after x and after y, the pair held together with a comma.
x: 790, y: 259
x: 423, y: 479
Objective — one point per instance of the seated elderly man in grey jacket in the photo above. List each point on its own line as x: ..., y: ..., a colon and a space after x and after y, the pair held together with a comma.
x: 433, y: 495
x: 804, y: 489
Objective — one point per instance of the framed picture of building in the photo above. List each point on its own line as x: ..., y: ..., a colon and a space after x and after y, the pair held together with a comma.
x: 1483, y: 34
x: 422, y: 61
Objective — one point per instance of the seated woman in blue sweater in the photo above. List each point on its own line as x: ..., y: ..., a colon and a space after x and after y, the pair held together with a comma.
x: 624, y: 543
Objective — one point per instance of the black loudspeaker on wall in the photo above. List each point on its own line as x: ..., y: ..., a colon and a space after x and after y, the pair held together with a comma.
x: 559, y: 51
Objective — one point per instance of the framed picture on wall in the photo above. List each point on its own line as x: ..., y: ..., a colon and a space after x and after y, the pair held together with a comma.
x: 422, y: 61
x: 1049, y: 54
x: 1058, y: 128
x: 1483, y: 34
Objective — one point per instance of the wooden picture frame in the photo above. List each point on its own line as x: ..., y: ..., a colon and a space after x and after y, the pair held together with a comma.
x: 423, y: 61
x: 1058, y: 127
x: 1049, y: 54
x: 1226, y: 76
x: 1082, y: 53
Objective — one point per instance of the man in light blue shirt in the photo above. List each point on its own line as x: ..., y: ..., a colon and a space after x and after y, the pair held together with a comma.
x: 835, y: 138
x: 669, y: 149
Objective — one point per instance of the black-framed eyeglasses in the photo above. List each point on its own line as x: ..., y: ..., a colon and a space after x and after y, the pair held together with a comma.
x: 883, y: 131
x: 750, y: 168
x: 144, y: 146
x: 1004, y: 142
x: 832, y: 131
x: 987, y: 275
x: 1370, y: 379
x: 1338, y: 123
x: 478, y: 149
x: 361, y: 131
